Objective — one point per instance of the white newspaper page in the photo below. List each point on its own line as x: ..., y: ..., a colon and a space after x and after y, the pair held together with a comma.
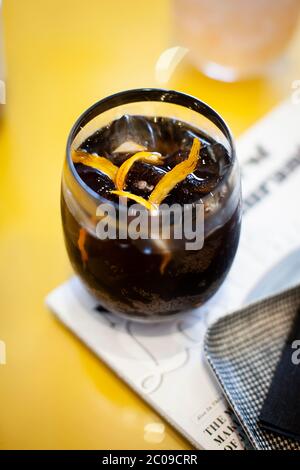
x: 164, y: 363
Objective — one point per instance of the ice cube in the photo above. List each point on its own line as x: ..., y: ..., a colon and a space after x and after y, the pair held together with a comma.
x: 129, y: 147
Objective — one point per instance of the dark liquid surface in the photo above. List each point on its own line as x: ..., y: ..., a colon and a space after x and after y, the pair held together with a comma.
x: 126, y: 279
x: 173, y: 140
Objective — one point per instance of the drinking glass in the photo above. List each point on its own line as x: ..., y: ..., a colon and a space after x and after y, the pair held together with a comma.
x: 234, y: 39
x: 152, y: 279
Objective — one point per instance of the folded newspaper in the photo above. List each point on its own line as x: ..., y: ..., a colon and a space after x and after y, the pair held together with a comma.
x: 164, y: 363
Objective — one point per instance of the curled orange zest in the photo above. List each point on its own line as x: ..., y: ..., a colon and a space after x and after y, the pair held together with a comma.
x: 99, y: 163
x: 81, y: 245
x: 148, y: 157
x: 176, y: 175
x: 134, y: 197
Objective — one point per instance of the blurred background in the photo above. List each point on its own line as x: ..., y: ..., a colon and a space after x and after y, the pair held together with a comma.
x: 59, y: 57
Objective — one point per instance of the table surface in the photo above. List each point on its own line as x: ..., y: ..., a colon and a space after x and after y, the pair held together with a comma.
x: 61, y: 56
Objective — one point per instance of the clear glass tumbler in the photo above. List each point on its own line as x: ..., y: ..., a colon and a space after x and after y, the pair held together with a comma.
x: 141, y: 279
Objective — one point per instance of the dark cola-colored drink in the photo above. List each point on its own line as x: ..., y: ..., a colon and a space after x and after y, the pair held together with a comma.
x: 128, y: 277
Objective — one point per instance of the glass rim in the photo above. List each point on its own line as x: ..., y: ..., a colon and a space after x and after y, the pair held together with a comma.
x: 143, y: 95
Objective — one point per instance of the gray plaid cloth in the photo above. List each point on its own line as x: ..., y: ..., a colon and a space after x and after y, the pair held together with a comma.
x: 243, y: 350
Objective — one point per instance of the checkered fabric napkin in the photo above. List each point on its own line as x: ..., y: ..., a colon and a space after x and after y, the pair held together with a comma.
x: 243, y: 350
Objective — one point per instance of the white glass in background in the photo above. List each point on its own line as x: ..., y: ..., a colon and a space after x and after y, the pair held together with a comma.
x: 234, y: 39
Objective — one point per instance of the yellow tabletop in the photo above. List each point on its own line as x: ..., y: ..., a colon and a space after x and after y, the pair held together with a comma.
x: 61, y: 56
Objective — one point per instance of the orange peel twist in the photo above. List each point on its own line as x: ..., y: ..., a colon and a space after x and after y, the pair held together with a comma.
x: 176, y: 175
x: 148, y: 157
x: 140, y: 200
x: 98, y: 163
